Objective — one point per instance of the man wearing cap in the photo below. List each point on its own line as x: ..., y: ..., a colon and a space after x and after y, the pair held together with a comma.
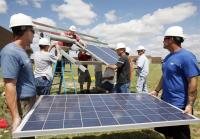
x: 43, y: 60
x: 123, y: 70
x: 180, y: 73
x: 17, y: 68
x: 142, y: 70
x: 66, y: 46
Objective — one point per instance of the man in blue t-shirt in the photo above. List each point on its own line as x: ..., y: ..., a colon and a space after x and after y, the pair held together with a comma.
x: 180, y: 73
x: 17, y: 69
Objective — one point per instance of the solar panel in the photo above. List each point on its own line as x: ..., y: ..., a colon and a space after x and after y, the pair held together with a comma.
x: 67, y: 114
x: 106, y: 55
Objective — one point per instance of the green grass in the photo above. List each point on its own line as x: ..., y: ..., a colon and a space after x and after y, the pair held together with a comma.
x: 153, y: 78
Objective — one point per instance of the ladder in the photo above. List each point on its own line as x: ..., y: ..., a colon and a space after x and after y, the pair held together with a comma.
x: 62, y: 81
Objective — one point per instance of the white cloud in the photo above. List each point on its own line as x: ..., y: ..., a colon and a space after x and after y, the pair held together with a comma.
x: 3, y: 6
x: 22, y: 2
x: 111, y: 16
x: 75, y: 10
x: 46, y: 20
x: 36, y: 3
x: 145, y: 30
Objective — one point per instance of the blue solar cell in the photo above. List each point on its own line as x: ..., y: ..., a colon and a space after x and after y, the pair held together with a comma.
x: 108, y: 121
x: 58, y: 105
x: 134, y: 112
x: 72, y: 123
x: 87, y: 115
x: 42, y: 110
x: 125, y: 120
x: 155, y: 118
x: 53, y: 124
x: 104, y: 114
x: 55, y: 116
x: 147, y: 111
x: 38, y: 117
x: 90, y: 122
x: 169, y: 117
x: 72, y: 109
x: 101, y: 108
x: 37, y: 125
x: 183, y: 116
x: 140, y: 119
x: 87, y: 109
x: 57, y: 110
x: 119, y: 113
x: 98, y: 103
x: 72, y: 115
x: 108, y: 56
x: 160, y: 111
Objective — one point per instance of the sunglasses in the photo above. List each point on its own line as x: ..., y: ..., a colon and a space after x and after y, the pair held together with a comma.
x: 32, y: 30
x: 166, y: 38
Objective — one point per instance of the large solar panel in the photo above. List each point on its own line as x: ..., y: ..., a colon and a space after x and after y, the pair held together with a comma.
x: 67, y: 114
x: 106, y: 55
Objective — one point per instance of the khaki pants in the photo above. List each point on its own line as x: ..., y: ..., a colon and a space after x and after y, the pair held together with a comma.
x: 25, y: 105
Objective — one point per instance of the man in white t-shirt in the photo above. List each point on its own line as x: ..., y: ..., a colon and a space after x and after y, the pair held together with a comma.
x: 142, y: 70
x: 107, y: 83
x: 43, y: 60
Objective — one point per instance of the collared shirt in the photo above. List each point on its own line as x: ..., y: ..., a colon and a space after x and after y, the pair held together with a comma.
x: 143, y: 64
x: 16, y: 64
x: 176, y: 68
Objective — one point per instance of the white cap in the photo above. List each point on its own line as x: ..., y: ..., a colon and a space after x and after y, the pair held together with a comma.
x: 120, y: 45
x: 128, y: 50
x: 20, y: 20
x: 140, y: 47
x: 44, y: 41
x: 72, y: 28
x: 175, y: 31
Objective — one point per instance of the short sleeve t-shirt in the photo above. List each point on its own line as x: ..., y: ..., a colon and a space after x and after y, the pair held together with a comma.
x: 43, y: 64
x: 16, y: 64
x: 123, y: 70
x: 143, y: 64
x: 176, y: 68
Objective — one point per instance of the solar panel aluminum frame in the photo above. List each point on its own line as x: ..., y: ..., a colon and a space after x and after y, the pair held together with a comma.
x: 67, y: 131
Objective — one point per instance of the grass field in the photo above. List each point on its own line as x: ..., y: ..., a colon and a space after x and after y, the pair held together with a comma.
x: 154, y: 76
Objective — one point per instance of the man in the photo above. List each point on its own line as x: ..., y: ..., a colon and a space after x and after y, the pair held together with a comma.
x: 84, y: 76
x: 66, y: 46
x: 142, y: 70
x: 179, y: 80
x: 43, y: 60
x: 107, y: 83
x: 17, y: 69
x: 130, y: 59
x: 123, y: 70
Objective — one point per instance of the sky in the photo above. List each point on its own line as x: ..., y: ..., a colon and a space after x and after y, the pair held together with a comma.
x: 134, y: 22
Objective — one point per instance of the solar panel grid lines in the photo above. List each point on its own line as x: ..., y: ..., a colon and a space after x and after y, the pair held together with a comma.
x: 99, y: 112
x: 106, y: 55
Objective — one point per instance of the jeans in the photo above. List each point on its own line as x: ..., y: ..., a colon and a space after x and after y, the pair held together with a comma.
x: 141, y: 86
x: 98, y: 78
x: 122, y: 88
x: 43, y: 86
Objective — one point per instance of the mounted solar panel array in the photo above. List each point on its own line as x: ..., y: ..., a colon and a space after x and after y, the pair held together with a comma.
x: 101, y: 112
x: 106, y: 55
